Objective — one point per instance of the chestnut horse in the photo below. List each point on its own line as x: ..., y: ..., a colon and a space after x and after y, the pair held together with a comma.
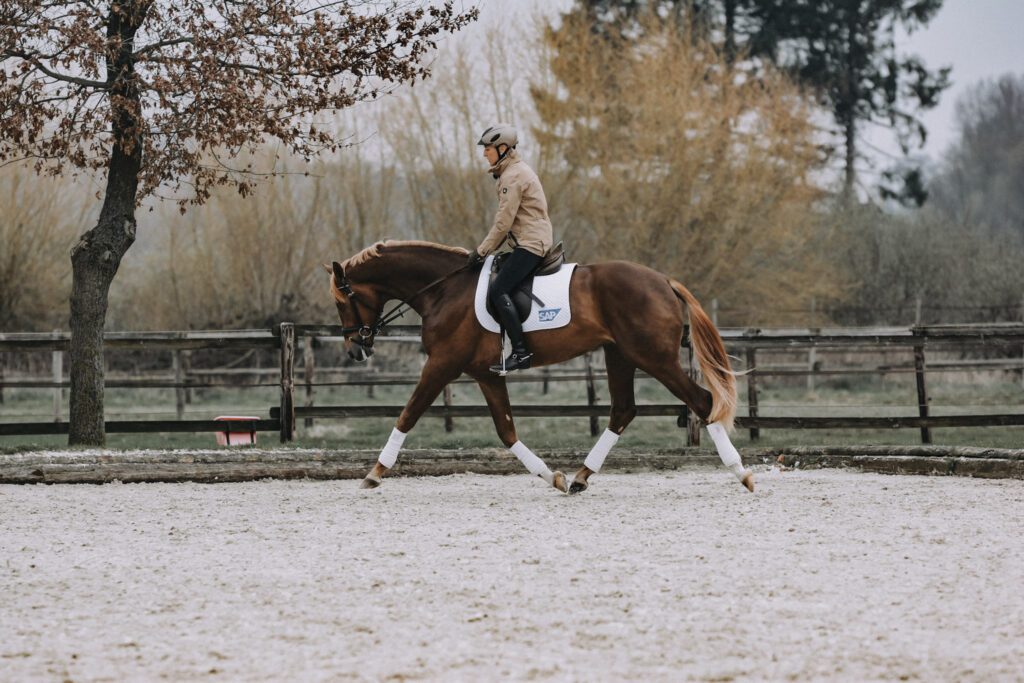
x: 634, y: 313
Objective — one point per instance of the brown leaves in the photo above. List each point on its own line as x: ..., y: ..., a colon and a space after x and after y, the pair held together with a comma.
x: 185, y: 78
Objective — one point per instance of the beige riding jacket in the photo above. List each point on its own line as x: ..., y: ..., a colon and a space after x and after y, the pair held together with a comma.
x: 522, y: 216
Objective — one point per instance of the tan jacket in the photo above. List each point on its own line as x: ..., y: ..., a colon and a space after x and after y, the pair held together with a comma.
x: 522, y: 217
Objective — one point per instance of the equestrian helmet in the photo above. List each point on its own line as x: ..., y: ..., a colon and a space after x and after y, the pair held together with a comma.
x: 499, y: 134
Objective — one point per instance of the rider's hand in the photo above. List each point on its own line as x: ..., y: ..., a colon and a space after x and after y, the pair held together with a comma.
x: 474, y: 258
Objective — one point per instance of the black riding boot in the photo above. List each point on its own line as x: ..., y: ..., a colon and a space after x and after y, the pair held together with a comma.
x: 520, y: 357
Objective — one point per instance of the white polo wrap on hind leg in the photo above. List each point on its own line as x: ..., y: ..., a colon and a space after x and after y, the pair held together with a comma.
x: 389, y: 454
x: 600, y: 451
x: 530, y: 460
x: 726, y: 451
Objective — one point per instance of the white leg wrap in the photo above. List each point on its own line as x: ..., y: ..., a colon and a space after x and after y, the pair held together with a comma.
x: 726, y: 451
x: 389, y: 454
x: 600, y: 451
x: 530, y: 460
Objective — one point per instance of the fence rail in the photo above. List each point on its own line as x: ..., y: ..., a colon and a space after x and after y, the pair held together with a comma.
x: 744, y: 342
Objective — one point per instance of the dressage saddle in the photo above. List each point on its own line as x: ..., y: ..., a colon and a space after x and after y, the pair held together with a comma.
x: 522, y: 296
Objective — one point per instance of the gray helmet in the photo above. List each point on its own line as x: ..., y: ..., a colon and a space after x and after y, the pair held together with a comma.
x: 499, y: 134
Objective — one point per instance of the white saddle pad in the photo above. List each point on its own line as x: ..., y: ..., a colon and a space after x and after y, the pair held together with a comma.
x: 552, y: 289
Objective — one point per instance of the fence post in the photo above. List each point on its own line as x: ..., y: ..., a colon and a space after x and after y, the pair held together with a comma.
x: 591, y: 393
x: 186, y: 368
x: 755, y: 432
x: 57, y: 365
x: 922, y: 394
x: 545, y: 373
x: 3, y: 362
x: 449, y: 423
x: 812, y: 359
x: 309, y: 367
x: 179, y: 390
x: 287, y: 382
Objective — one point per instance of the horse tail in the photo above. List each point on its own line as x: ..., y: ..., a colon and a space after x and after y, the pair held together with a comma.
x: 712, y: 359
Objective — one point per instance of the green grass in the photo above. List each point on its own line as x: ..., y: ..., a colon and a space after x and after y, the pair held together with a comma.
x: 863, y: 396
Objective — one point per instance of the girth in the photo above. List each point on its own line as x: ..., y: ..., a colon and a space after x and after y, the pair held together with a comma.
x: 522, y: 296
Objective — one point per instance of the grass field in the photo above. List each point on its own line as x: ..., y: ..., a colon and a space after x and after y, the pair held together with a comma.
x: 843, y: 397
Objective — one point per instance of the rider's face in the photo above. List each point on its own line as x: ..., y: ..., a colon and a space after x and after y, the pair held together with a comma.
x: 491, y: 154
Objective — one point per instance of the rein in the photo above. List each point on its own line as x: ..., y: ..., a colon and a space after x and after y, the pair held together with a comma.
x: 368, y: 332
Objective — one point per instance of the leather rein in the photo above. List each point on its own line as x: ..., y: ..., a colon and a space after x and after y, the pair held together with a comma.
x: 368, y: 332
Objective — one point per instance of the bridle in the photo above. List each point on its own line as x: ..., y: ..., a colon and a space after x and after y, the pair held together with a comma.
x: 368, y: 332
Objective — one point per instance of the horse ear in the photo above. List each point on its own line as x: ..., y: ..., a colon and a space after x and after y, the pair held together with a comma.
x: 327, y: 268
x: 339, y: 274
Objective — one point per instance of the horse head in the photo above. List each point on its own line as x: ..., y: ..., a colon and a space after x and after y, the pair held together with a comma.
x: 359, y: 309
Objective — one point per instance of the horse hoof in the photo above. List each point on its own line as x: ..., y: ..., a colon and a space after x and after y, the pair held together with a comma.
x: 370, y: 483
x: 558, y: 481
x: 578, y: 486
x: 748, y: 481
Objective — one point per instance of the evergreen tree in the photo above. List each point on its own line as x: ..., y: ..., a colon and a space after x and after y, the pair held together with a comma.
x: 846, y: 51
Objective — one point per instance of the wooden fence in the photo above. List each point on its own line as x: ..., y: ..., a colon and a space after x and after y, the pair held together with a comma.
x: 745, y: 343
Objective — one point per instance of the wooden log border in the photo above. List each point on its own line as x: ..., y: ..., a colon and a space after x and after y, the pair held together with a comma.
x: 249, y: 464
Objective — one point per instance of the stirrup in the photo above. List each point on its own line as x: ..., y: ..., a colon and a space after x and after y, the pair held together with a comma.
x: 515, y: 361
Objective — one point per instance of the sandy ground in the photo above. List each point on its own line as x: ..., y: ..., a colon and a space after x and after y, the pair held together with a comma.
x: 820, y: 575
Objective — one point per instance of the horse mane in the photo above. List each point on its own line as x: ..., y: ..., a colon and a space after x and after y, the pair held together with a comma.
x: 378, y: 248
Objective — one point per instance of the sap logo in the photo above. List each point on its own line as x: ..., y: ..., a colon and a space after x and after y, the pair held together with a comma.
x: 547, y: 315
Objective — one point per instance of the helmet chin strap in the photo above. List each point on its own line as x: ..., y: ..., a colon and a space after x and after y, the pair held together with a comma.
x: 502, y: 155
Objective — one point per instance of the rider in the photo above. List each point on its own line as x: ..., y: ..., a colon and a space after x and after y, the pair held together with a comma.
x: 522, y: 220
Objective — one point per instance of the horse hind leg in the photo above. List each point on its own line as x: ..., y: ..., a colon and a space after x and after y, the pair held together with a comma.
x: 620, y: 385
x: 729, y: 455
x: 698, y: 399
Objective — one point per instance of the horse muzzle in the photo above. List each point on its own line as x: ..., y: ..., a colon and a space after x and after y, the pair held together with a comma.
x: 359, y: 353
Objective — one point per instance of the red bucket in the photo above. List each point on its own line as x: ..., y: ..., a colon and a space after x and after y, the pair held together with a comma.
x: 230, y: 437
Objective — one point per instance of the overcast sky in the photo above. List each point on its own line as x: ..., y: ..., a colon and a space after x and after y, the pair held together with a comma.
x: 980, y: 39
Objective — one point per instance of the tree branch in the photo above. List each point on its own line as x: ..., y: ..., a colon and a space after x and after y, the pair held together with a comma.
x: 84, y: 82
x: 163, y: 44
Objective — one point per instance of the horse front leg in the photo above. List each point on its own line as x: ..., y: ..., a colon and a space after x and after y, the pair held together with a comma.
x: 495, y: 393
x: 432, y: 380
x: 620, y: 386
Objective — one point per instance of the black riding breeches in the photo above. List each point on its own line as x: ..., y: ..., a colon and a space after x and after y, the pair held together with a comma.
x: 516, y: 268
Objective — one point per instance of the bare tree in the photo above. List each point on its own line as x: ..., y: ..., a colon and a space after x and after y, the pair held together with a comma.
x: 160, y: 94
x: 432, y: 135
x: 675, y: 159
x: 38, y: 225
x: 961, y: 273
x: 247, y: 262
x: 981, y: 180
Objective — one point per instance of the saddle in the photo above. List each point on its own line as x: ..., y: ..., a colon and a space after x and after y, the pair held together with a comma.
x: 522, y: 296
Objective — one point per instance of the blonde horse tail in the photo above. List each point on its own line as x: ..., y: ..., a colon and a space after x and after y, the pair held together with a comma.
x: 712, y: 359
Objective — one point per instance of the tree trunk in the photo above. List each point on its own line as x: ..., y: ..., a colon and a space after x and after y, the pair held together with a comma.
x: 851, y: 94
x: 730, y: 31
x: 850, y: 163
x: 97, y: 256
